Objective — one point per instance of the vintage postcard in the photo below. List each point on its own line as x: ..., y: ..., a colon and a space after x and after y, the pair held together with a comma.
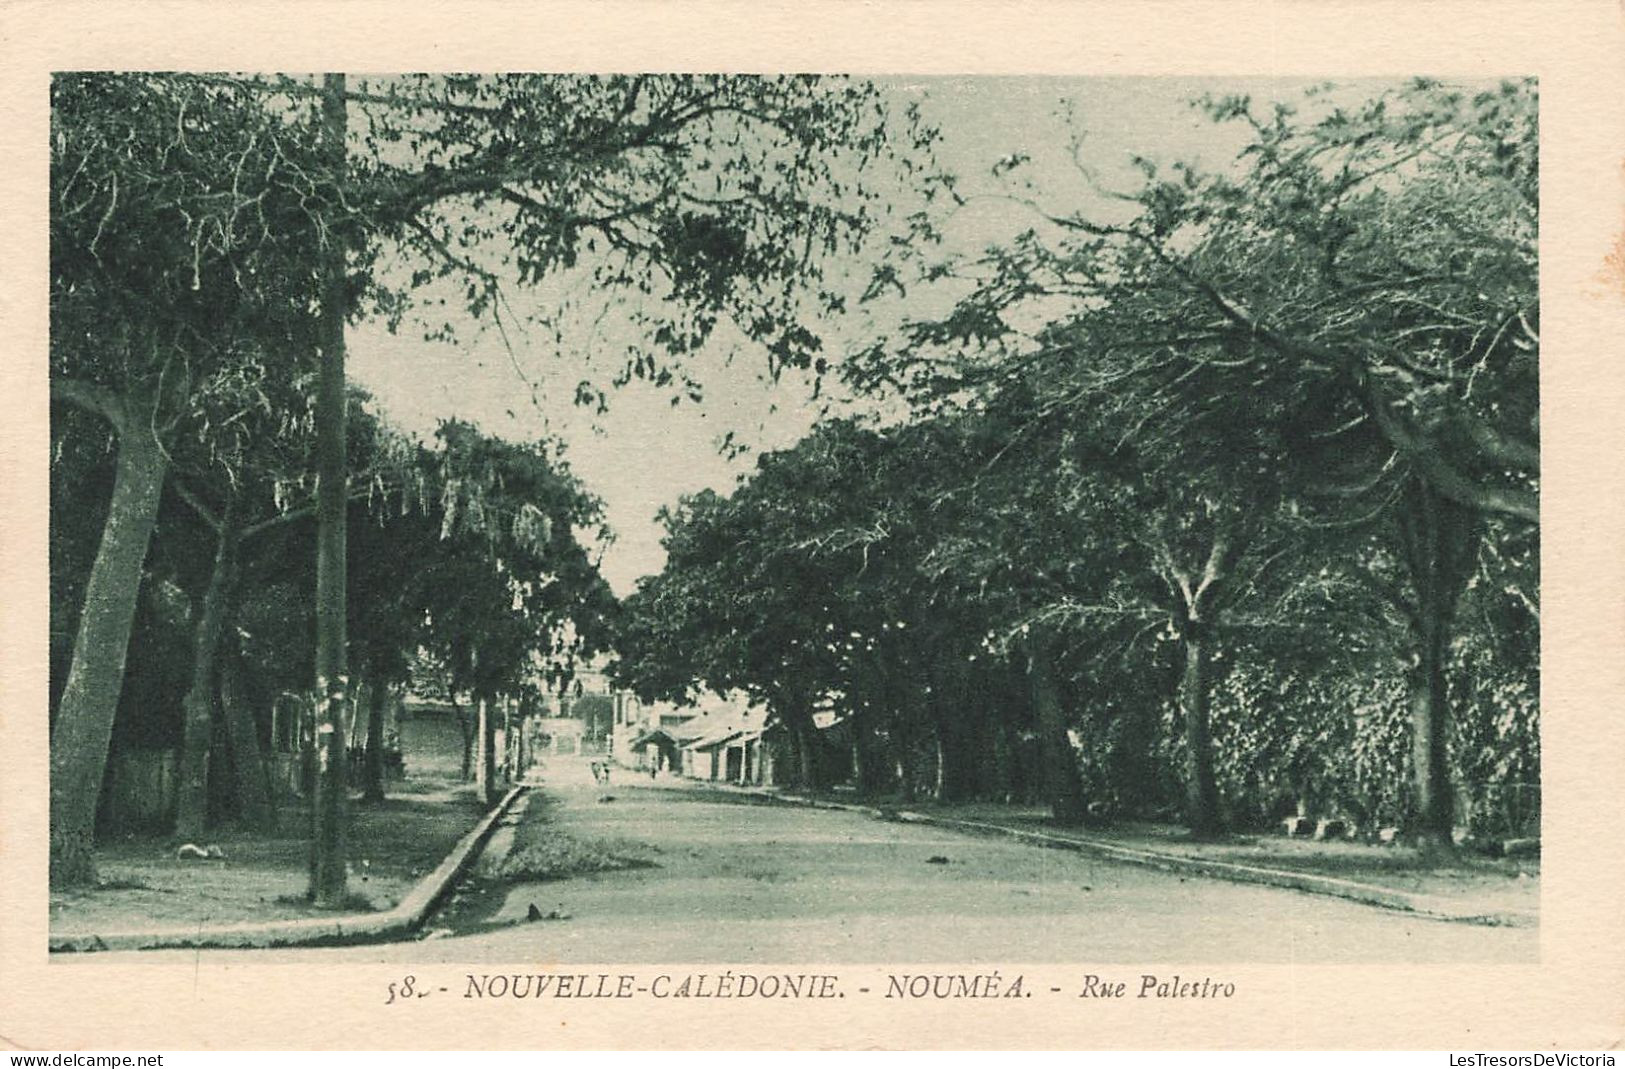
x: 712, y: 526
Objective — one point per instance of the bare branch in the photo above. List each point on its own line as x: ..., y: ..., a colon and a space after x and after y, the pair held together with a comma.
x: 1522, y: 504
x: 98, y: 400
x: 1501, y: 447
x: 188, y: 495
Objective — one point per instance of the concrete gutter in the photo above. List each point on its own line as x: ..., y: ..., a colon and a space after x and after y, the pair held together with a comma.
x: 1431, y: 906
x: 407, y: 916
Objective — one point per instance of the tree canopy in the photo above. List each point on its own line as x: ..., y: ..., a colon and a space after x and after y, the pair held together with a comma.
x: 1259, y: 432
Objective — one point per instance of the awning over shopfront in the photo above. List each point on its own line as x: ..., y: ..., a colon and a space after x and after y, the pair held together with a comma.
x: 654, y: 737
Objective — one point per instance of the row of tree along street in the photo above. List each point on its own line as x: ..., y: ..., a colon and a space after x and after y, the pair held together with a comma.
x: 222, y: 507
x: 1221, y: 508
x: 1221, y: 498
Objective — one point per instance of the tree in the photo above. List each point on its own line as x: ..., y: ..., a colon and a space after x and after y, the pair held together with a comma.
x: 241, y: 480
x: 147, y: 312
x: 245, y: 483
x: 743, y: 604
x: 1359, y: 287
x: 329, y: 860
x: 819, y: 581
x: 703, y: 199
x: 705, y: 621
x: 651, y: 177
x: 508, y: 598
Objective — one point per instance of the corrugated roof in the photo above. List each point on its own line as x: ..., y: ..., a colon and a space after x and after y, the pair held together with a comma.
x: 716, y: 739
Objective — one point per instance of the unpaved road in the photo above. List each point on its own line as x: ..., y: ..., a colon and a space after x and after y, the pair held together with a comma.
x: 738, y: 882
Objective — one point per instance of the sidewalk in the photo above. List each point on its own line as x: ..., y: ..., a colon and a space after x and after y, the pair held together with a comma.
x: 1467, y: 889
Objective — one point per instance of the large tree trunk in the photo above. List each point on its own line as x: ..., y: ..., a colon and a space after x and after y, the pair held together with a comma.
x: 905, y: 750
x: 482, y: 760
x: 903, y: 756
x: 465, y: 725
x: 999, y: 780
x: 372, y: 766
x: 954, y: 733
x: 1201, y: 789
x: 1200, y: 604
x: 804, y: 734
x: 485, y: 776
x: 903, y: 703
x: 254, y: 799
x: 392, y: 731
x: 521, y: 741
x: 1005, y: 688
x: 192, y: 788
x: 510, y: 755
x: 1063, y: 786
x: 983, y: 743
x: 868, y: 756
x: 84, y: 721
x: 327, y: 841
x: 1440, y: 541
x: 1430, y: 744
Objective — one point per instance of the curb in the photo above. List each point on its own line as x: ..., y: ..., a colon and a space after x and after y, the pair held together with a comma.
x: 407, y: 915
x: 1423, y: 905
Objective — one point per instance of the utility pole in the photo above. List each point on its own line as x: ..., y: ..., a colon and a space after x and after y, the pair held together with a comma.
x: 327, y: 826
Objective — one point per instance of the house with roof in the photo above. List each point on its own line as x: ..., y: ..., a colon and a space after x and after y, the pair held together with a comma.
x: 735, y: 748
x: 650, y: 736
x: 717, y: 737
x: 728, y: 754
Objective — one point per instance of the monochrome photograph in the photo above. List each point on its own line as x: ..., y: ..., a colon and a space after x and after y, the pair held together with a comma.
x: 826, y: 518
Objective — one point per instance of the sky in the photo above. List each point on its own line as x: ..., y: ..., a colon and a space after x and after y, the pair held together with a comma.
x: 644, y: 453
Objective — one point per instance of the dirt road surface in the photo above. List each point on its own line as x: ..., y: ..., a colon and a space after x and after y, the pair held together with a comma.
x: 728, y: 880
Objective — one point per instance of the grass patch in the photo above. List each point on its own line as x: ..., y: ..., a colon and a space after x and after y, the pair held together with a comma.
x: 559, y: 856
x: 264, y: 876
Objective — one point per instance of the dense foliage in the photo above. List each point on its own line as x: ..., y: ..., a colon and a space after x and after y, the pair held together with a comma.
x: 211, y: 237
x: 1240, y: 475
x: 1214, y: 497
